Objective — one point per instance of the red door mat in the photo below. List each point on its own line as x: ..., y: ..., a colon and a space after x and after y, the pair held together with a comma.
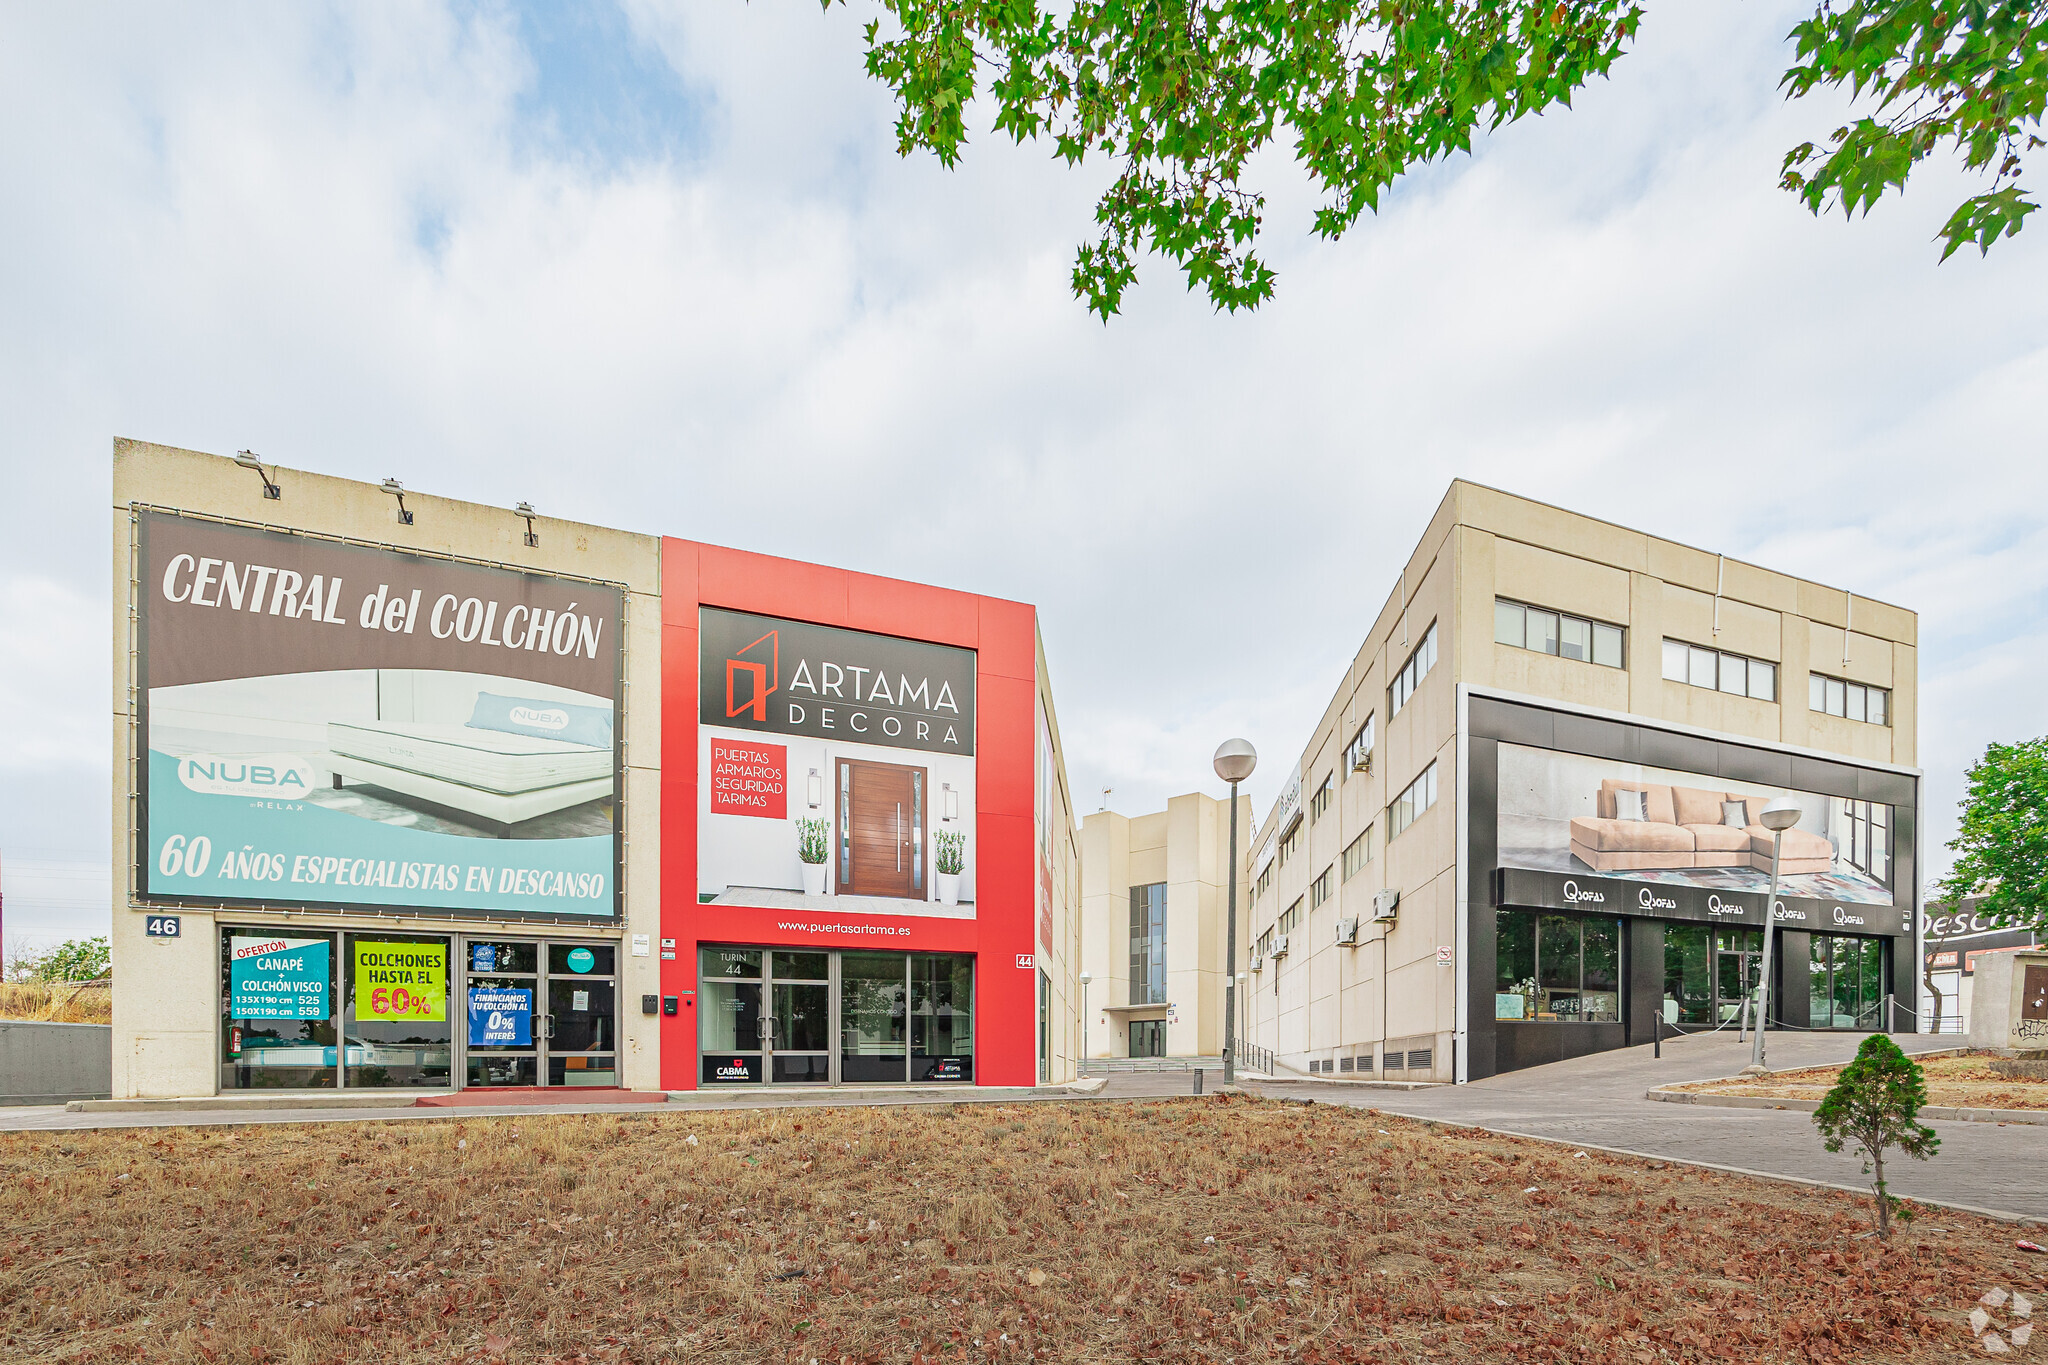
x: 534, y: 1094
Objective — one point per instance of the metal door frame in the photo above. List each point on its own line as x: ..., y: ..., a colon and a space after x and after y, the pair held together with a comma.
x: 541, y: 1014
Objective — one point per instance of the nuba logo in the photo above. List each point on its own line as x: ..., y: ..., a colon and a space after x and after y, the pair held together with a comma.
x: 540, y: 718
x: 275, y: 776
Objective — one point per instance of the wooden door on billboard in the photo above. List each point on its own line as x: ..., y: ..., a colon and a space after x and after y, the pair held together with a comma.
x: 881, y: 830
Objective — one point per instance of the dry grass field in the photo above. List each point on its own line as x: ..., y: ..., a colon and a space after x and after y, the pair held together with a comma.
x: 1219, y: 1229
x: 1965, y: 1082
x: 63, y: 1003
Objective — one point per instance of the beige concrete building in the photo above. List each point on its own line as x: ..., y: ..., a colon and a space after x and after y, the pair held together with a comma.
x: 389, y: 792
x: 1153, y: 892
x: 1526, y: 825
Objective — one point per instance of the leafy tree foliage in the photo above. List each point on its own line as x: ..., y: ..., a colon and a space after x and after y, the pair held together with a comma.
x: 2002, y: 848
x: 1875, y: 1104
x: 78, y: 959
x: 1969, y: 75
x: 1181, y: 94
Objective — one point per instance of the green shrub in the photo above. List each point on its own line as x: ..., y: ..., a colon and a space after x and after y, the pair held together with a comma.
x: 1874, y: 1104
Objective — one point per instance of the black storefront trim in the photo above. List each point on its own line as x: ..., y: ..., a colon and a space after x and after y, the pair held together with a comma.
x: 1506, y: 1045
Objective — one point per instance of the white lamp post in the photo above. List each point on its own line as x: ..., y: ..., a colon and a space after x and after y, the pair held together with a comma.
x: 1780, y: 815
x: 1234, y: 761
x: 1085, y: 979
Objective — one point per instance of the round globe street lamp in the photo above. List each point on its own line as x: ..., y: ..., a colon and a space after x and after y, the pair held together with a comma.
x: 1085, y: 979
x: 1234, y: 761
x: 1780, y: 815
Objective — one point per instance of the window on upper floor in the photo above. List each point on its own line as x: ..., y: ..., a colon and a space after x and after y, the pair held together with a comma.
x: 1358, y: 753
x: 1324, y: 885
x: 1358, y: 854
x: 1410, y: 675
x: 1265, y: 882
x: 1266, y: 944
x: 1553, y: 632
x: 1410, y: 804
x: 1851, y: 701
x: 1290, y: 843
x: 1719, y: 671
x: 1320, y: 802
x: 1148, y: 944
x: 1291, y: 920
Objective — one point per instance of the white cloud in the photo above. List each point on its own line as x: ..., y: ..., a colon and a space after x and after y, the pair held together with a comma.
x: 333, y: 237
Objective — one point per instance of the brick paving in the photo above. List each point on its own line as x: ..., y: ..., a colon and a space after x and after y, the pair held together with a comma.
x: 1598, y: 1101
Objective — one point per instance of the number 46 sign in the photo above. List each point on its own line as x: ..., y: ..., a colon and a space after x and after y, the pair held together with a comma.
x: 398, y: 982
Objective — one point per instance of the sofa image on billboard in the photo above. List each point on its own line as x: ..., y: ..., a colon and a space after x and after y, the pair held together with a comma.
x: 1642, y: 825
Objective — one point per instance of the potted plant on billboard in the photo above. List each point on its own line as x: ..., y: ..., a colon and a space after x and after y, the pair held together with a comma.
x: 951, y: 861
x: 810, y: 850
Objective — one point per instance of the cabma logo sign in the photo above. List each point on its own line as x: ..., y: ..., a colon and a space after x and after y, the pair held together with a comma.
x: 847, y: 685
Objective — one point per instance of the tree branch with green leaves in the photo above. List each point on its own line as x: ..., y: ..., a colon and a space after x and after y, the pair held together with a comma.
x: 1180, y: 95
x: 2001, y: 847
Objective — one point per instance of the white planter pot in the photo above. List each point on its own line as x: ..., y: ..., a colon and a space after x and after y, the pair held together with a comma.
x: 949, y: 888
x: 814, y: 879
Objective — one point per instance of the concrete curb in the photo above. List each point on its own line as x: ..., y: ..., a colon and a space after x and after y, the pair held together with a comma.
x: 336, y: 1099
x: 1941, y: 1112
x: 1357, y: 1085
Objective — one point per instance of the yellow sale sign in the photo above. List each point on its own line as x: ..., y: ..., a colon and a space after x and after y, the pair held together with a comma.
x: 396, y: 982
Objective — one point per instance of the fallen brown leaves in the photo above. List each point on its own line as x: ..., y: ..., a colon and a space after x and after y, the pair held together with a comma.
x: 1218, y: 1229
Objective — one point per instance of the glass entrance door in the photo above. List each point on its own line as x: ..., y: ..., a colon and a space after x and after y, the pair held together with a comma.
x: 581, y: 1037
x: 799, y: 1040
x: 541, y: 1013
x: 1738, y: 960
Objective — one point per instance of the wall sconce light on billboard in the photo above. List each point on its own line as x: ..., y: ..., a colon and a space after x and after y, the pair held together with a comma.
x: 814, y: 790
x: 952, y: 808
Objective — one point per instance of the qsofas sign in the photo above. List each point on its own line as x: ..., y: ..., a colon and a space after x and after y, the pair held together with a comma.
x: 339, y: 725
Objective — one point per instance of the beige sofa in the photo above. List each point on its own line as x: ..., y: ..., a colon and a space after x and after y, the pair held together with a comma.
x: 1684, y: 829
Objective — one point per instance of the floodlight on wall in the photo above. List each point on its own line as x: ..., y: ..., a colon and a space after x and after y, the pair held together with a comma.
x: 525, y: 509
x: 952, y: 802
x: 814, y: 789
x: 247, y: 460
x: 397, y: 490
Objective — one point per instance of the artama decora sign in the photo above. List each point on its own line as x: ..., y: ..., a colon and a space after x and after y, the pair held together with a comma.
x: 339, y: 725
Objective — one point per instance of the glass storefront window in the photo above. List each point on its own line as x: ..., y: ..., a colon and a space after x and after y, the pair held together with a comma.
x: 941, y: 1017
x: 729, y: 1015
x: 1688, y: 974
x: 504, y: 1011
x: 1514, y: 989
x: 1556, y: 968
x: 1846, y: 982
x: 802, y: 966
x: 395, y: 1023
x: 277, y: 1009
x: 873, y: 1017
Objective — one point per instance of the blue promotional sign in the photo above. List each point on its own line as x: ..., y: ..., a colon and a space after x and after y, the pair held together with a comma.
x: 501, y: 1015
x: 279, y: 978
x: 483, y: 957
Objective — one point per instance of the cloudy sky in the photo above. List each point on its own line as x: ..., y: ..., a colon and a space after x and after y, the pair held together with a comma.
x: 659, y: 266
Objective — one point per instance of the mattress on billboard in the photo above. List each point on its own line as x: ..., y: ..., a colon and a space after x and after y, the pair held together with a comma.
x: 340, y: 725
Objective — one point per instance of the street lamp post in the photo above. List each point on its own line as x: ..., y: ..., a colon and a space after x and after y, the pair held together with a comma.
x: 1780, y: 815
x: 1234, y: 761
x: 1085, y: 979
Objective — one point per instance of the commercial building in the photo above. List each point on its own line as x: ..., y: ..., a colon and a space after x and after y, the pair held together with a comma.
x: 1153, y: 896
x: 1526, y: 826
x: 1957, y: 940
x: 421, y: 794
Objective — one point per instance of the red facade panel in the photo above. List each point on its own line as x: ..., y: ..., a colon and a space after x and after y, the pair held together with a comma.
x: 1000, y: 933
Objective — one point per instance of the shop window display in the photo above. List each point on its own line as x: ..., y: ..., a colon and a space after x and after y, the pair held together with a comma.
x: 1557, y: 968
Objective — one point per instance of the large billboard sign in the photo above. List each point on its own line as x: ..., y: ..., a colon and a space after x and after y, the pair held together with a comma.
x: 339, y: 726
x: 1577, y: 832
x: 838, y: 769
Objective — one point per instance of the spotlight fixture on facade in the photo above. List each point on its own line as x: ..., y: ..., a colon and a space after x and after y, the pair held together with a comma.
x: 525, y: 509
x: 814, y: 789
x: 397, y: 490
x: 247, y: 459
x: 952, y: 796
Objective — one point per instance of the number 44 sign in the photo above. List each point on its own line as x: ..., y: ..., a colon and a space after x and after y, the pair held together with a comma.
x: 398, y: 982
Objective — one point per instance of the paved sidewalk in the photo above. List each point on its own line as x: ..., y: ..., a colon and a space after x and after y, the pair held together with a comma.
x: 1136, y: 1086
x: 1598, y: 1101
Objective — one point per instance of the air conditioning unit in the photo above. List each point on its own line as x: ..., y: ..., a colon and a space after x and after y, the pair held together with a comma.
x: 1363, y: 763
x: 1258, y: 963
x: 1347, y: 930
x: 1279, y: 946
x: 1385, y: 903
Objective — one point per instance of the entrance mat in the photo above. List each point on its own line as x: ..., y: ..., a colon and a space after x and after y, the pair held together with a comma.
x: 533, y: 1094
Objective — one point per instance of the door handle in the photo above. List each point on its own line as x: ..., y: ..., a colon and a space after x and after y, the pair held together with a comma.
x: 899, y: 836
x: 550, y: 1025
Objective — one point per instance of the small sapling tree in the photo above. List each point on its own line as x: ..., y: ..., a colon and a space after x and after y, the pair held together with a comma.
x: 1875, y: 1105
